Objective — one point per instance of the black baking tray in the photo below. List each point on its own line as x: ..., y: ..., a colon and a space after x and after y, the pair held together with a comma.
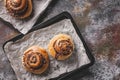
x: 63, y: 15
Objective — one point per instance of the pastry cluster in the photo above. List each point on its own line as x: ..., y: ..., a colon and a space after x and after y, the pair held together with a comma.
x: 36, y: 60
x: 19, y: 8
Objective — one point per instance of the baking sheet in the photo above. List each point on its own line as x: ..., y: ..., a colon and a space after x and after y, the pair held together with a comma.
x: 24, y: 25
x: 42, y: 37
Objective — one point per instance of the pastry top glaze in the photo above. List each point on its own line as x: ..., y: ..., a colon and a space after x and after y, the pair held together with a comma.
x: 19, y: 8
x: 35, y: 60
x: 61, y: 46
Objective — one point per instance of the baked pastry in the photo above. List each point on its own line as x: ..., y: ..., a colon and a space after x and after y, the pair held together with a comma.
x: 19, y: 8
x: 61, y: 46
x: 35, y: 60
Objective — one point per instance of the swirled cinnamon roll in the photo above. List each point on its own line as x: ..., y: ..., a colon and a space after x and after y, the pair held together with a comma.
x: 35, y: 60
x: 19, y: 8
x: 61, y: 46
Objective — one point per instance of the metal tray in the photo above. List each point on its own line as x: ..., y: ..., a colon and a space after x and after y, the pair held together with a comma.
x: 64, y: 15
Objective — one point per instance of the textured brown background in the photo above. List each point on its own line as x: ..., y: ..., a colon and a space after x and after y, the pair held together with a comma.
x: 99, y: 22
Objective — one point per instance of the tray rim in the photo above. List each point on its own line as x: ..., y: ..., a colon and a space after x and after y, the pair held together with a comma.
x: 59, y: 17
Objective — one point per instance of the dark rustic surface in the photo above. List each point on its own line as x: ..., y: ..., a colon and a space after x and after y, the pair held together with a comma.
x: 6, y: 72
x: 99, y: 22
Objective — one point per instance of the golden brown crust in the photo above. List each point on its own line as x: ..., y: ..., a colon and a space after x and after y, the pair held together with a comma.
x: 35, y: 60
x: 19, y: 8
x: 61, y: 46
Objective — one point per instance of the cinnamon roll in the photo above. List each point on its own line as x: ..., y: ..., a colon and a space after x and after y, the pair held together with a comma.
x: 35, y: 60
x: 61, y: 46
x: 19, y: 8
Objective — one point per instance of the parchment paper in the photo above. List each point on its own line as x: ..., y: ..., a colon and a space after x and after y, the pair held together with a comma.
x: 41, y: 38
x: 24, y: 25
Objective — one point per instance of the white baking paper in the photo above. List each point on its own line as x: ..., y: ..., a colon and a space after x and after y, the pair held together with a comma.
x: 24, y: 25
x: 41, y: 37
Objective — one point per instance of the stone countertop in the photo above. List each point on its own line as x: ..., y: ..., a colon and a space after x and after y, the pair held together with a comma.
x: 99, y: 23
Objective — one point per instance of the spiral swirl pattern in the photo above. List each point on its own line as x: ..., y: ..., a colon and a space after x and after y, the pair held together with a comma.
x: 33, y: 60
x: 63, y: 47
x: 19, y: 8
